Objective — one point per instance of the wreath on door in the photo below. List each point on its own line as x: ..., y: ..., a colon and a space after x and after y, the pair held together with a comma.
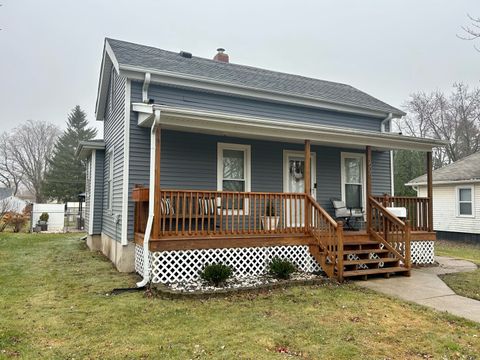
x: 296, y: 170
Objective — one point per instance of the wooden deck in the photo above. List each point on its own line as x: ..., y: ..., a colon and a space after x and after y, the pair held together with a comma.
x: 191, y: 219
x: 212, y: 242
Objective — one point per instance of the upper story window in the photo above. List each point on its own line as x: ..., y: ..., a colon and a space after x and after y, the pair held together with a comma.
x: 465, y: 203
x: 353, y: 180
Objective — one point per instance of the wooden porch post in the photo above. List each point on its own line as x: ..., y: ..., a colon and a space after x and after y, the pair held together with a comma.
x: 156, y: 209
x: 308, y: 183
x: 430, y: 190
x: 368, y: 181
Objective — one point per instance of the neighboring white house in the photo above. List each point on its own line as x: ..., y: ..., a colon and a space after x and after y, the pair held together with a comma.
x: 456, y: 199
x: 9, y: 202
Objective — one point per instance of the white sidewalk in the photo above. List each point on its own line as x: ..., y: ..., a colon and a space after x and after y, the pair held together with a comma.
x: 424, y: 287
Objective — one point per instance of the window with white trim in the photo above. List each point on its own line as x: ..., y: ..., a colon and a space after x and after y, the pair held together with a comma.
x: 465, y: 205
x: 233, y: 170
x: 353, y: 180
x: 233, y: 167
x: 110, y: 180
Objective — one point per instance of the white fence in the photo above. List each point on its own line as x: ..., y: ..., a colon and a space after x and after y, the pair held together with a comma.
x: 56, y: 215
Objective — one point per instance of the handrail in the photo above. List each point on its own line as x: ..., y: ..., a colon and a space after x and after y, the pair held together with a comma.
x: 387, y: 213
x: 389, y: 230
x: 329, y: 237
x: 327, y: 216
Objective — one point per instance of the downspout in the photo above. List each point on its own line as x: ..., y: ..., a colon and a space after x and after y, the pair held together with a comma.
x: 384, y: 122
x: 145, y: 86
x: 382, y: 129
x: 151, y: 200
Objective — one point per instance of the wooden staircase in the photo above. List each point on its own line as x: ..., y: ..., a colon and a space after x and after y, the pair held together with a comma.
x: 384, y: 249
x: 361, y: 259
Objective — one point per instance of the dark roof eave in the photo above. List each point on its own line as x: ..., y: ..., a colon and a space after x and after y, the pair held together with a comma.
x: 86, y: 147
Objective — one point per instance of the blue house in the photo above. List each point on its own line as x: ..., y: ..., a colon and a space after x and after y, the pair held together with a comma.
x: 204, y: 160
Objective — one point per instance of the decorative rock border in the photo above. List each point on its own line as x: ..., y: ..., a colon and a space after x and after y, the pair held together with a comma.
x: 162, y: 291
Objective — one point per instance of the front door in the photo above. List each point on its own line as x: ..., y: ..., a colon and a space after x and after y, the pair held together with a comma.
x: 293, y: 182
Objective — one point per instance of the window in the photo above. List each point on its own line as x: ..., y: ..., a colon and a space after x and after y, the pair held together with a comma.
x: 465, y: 201
x: 353, y: 173
x: 233, y: 171
x: 110, y: 180
x: 233, y: 167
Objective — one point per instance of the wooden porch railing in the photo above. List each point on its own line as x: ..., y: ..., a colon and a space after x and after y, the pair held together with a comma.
x: 389, y: 230
x: 190, y: 213
x: 217, y: 214
x: 417, y: 209
x: 328, y: 234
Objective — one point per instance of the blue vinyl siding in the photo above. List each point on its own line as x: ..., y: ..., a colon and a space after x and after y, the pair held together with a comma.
x: 189, y: 161
x: 114, y: 136
x: 181, y: 97
x: 98, y: 200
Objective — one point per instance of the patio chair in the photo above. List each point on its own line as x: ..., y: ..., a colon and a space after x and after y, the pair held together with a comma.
x: 350, y: 216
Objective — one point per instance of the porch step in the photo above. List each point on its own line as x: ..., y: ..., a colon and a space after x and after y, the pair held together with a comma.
x: 369, y: 261
x: 352, y: 242
x: 396, y: 269
x: 365, y: 251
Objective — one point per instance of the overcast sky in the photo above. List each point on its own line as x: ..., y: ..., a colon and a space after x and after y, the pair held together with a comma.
x: 50, y: 51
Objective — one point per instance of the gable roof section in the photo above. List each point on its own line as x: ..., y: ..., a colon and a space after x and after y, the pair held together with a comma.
x: 463, y: 170
x: 85, y: 148
x: 5, y: 193
x: 139, y: 58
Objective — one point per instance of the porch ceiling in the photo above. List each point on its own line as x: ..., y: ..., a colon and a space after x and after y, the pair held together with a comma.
x: 228, y: 124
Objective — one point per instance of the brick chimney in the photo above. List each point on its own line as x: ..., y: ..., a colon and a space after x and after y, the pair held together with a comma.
x: 221, y: 56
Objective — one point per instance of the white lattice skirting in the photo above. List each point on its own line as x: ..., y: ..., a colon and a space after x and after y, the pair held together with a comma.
x: 423, y: 252
x: 184, y: 265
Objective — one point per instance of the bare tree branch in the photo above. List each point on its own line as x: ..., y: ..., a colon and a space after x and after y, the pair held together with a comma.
x: 455, y: 118
x: 31, y: 145
x: 471, y: 32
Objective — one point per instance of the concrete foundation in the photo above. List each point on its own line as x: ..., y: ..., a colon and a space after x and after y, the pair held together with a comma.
x: 123, y: 257
x: 94, y: 242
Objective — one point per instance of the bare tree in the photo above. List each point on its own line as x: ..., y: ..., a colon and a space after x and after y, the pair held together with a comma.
x: 455, y: 118
x: 10, y: 172
x: 471, y: 32
x: 31, y: 145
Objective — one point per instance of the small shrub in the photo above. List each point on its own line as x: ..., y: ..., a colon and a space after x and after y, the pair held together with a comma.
x: 281, y: 268
x: 44, y: 217
x: 216, y: 274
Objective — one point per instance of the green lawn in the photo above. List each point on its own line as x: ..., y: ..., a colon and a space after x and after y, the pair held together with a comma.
x: 53, y: 304
x: 465, y: 284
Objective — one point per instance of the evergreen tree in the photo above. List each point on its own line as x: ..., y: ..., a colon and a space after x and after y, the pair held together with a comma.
x: 407, y: 165
x: 66, y: 175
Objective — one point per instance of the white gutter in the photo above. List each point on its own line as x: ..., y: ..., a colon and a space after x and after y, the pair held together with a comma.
x: 444, y: 182
x: 242, y: 125
x: 151, y: 200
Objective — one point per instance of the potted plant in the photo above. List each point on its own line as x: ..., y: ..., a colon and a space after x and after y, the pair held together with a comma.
x: 270, y: 220
x: 43, y: 221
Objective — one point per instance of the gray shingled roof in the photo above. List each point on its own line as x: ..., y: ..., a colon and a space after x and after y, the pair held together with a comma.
x: 5, y: 193
x: 465, y: 169
x: 129, y: 54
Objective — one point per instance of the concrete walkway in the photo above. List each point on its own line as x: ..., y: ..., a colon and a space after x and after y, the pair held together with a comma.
x: 424, y: 287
